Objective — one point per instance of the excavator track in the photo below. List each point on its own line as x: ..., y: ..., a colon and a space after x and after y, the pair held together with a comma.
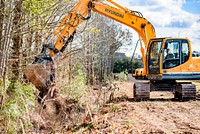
x: 182, y: 90
x: 185, y: 91
x: 141, y: 90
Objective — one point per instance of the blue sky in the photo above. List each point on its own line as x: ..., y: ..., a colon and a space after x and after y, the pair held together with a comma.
x: 171, y: 18
x: 192, y: 6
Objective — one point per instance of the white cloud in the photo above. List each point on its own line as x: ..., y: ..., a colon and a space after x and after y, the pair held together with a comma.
x: 168, y: 18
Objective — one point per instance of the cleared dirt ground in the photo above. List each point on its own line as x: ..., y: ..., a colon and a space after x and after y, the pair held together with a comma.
x: 161, y: 114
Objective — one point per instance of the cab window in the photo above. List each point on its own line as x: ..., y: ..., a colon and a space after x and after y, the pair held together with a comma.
x: 185, y: 52
x: 154, y: 57
x: 171, y: 56
x: 176, y: 52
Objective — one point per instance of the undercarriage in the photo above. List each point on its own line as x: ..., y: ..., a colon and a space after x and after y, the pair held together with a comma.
x: 181, y: 90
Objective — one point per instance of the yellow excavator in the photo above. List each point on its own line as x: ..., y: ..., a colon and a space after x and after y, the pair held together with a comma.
x: 165, y: 60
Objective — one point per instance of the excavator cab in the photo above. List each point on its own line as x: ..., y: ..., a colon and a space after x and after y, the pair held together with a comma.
x: 169, y: 60
x: 167, y: 55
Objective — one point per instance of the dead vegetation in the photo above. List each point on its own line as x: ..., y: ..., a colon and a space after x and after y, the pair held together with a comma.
x: 111, y: 109
x: 66, y: 114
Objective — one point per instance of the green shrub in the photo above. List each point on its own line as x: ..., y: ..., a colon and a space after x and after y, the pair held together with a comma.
x: 77, y: 87
x: 115, y: 107
x: 122, y: 76
x: 16, y: 106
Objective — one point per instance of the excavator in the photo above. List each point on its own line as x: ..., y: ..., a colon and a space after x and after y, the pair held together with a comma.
x: 161, y: 72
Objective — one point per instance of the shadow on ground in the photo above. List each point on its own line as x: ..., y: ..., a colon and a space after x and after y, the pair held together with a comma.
x: 126, y: 98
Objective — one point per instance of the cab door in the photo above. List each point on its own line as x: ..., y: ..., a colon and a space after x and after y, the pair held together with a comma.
x: 154, y: 57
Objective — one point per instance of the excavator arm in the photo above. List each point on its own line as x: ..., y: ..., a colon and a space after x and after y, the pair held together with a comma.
x: 67, y: 28
x: 82, y: 11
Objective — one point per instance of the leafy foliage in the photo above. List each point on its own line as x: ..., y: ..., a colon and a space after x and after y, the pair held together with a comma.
x: 122, y: 76
x: 76, y: 88
x: 16, y: 105
x: 36, y: 7
x: 115, y: 107
x: 124, y: 64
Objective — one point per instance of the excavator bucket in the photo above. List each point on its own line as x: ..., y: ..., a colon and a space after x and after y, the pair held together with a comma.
x: 38, y: 75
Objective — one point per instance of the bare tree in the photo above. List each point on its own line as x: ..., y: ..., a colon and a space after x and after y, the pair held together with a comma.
x: 2, y: 61
x: 17, y: 40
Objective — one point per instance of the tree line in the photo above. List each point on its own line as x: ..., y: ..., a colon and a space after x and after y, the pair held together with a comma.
x: 25, y: 26
x: 125, y: 64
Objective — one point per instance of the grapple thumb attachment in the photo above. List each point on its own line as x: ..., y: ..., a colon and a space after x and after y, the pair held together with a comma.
x: 38, y: 75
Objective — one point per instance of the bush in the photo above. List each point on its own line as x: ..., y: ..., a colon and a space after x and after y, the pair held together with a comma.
x: 122, y: 76
x: 121, y: 65
x: 16, y: 106
x: 77, y: 87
